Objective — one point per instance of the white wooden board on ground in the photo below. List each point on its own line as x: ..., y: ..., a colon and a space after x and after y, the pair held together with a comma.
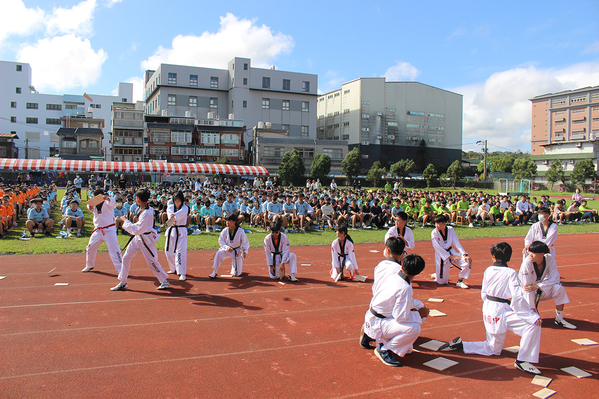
x: 360, y: 278
x: 435, y: 300
x: 375, y: 251
x: 576, y: 372
x: 61, y: 284
x: 584, y: 341
x: 436, y: 313
x: 543, y: 393
x: 440, y: 363
x: 432, y: 345
x: 541, y: 381
x: 513, y: 349
x: 2, y: 277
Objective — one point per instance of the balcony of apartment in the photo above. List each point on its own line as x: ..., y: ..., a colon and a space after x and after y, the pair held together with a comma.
x: 128, y: 141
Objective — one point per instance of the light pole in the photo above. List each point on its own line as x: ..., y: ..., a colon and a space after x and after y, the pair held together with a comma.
x: 484, y: 143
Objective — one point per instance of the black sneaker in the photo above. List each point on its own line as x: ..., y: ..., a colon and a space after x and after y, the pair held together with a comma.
x: 565, y: 324
x: 527, y: 367
x: 365, y: 340
x: 453, y: 345
x: 386, y: 357
x: 47, y: 234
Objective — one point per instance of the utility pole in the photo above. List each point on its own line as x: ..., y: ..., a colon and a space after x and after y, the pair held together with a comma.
x: 484, y: 143
x: 26, y: 148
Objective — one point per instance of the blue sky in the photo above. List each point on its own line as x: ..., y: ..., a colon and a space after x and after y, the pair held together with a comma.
x: 498, y: 55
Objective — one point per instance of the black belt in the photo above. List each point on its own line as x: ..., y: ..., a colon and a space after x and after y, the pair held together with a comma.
x: 235, y: 258
x: 274, y: 257
x: 442, y: 261
x: 377, y: 314
x: 496, y: 299
x: 168, y: 236
x: 342, y: 264
x: 142, y: 240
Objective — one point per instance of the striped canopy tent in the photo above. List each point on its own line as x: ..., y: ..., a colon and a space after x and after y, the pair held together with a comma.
x: 61, y: 165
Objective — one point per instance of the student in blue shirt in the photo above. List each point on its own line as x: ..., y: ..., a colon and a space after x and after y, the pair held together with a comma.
x: 245, y: 209
x: 218, y: 212
x: 230, y: 207
x: 119, y: 211
x: 74, y: 216
x: 257, y: 213
x: 38, y: 219
x: 301, y: 212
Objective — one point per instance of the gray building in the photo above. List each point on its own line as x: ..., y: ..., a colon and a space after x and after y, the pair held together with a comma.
x: 127, y: 132
x: 241, y: 92
x: 388, y: 120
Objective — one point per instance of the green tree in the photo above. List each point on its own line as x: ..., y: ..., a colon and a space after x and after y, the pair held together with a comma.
x: 455, y: 172
x: 352, y: 164
x: 223, y: 160
x: 524, y: 168
x: 555, y: 173
x: 421, y: 156
x: 321, y: 167
x: 583, y: 171
x: 429, y: 174
x: 376, y: 172
x: 292, y: 169
x: 402, y: 168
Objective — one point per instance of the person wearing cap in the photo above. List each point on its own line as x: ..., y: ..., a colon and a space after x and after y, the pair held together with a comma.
x: 38, y: 219
x: 394, y: 318
x: 74, y: 216
x: 143, y: 238
x: 234, y: 244
x: 278, y: 255
x: 175, y: 247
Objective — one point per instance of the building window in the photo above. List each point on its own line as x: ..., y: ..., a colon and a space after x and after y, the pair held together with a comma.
x: 365, y: 116
x: 365, y: 129
x: 578, y: 99
x: 210, y: 138
x: 285, y: 105
x: 415, y: 113
x: 559, y: 113
x: 13, y: 119
x: 415, y: 126
x: 559, y: 101
x: 193, y: 101
x: 54, y: 107
x: 437, y: 115
x: 95, y: 105
x: 333, y: 153
x: 172, y: 100
x: 19, y: 68
x: 13, y: 104
x: 193, y: 80
x: 578, y: 121
x: 286, y: 84
x: 345, y: 124
x: 245, y: 81
x: 213, y: 102
x: 345, y: 137
x: 52, y: 121
x: 181, y: 137
x: 365, y: 102
x: 266, y: 103
x: 578, y: 110
x: 172, y: 78
x: 123, y: 100
x: 69, y: 144
x: 346, y: 111
x: 18, y: 90
x: 213, y: 82
x: 265, y: 83
x: 305, y: 131
x: 305, y: 106
x: 394, y: 124
x: 31, y: 120
x: 33, y: 136
x: 345, y: 91
x: 245, y: 104
x: 595, y: 108
x: 391, y: 110
x: 245, y: 67
x: 559, y: 123
x: 284, y: 127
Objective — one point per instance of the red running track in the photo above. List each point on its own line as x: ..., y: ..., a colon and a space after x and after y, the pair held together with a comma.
x: 253, y: 337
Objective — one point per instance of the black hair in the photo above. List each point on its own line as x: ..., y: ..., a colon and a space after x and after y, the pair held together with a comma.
x: 441, y: 219
x: 99, y: 191
x: 275, y: 226
x: 395, y: 245
x: 180, y: 196
x: 342, y: 228
x: 401, y: 215
x: 544, y: 210
x: 143, y: 195
x: 538, y: 247
x: 413, y: 264
x: 232, y: 217
x: 502, y: 251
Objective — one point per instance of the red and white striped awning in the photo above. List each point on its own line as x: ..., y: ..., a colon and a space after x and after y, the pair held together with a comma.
x: 130, y: 167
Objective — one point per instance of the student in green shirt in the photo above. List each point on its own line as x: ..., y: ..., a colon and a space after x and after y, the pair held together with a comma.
x: 509, y: 219
x: 427, y: 213
x: 496, y: 212
x: 587, y: 212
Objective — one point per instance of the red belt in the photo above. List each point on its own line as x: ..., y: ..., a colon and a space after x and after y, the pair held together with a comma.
x: 102, y: 228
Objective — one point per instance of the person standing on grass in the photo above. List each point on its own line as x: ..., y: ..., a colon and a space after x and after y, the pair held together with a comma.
x: 104, y: 231
x: 449, y: 252
x: 143, y: 238
x: 504, y: 308
x: 544, y: 230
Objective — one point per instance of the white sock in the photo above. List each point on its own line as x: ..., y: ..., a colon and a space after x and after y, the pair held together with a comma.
x: 79, y: 230
x: 559, y: 315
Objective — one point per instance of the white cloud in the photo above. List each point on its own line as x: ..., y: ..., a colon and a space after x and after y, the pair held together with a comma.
x: 331, y: 81
x: 138, y: 88
x: 63, y: 62
x: 401, y: 71
x: 499, y: 109
x: 17, y: 19
x: 76, y: 20
x: 592, y: 48
x: 235, y: 38
x: 110, y: 3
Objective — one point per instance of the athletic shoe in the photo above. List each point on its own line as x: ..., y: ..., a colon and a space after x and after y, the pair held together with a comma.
x: 213, y: 275
x: 461, y: 284
x: 47, y: 234
x: 119, y: 287
x: 385, y: 357
x: 527, y: 367
x: 79, y: 234
x: 87, y: 269
x: 164, y: 285
x: 32, y: 234
x: 182, y: 277
x: 453, y: 345
x: 70, y: 234
x: 293, y: 278
x: 172, y: 272
x: 565, y: 324
x: 365, y: 340
x: 470, y: 225
x: 434, y: 276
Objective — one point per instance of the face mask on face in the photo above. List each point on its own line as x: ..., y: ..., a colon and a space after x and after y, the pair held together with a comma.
x: 541, y: 218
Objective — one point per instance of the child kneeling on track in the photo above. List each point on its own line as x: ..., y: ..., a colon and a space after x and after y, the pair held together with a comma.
x: 343, y: 255
x: 234, y: 244
x: 276, y: 246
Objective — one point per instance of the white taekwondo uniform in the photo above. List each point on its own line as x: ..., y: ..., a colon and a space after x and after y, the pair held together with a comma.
x: 175, y: 246
x: 343, y: 258
x: 240, y: 244
x: 537, y: 232
x: 276, y: 255
x: 445, y: 246
x: 104, y: 231
x: 407, y: 235
x: 548, y: 282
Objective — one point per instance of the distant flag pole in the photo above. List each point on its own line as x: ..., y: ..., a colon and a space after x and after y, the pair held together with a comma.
x: 88, y: 98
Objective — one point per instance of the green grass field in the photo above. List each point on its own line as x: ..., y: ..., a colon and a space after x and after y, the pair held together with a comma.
x: 11, y: 244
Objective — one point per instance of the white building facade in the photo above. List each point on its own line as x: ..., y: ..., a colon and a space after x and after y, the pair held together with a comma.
x: 388, y: 120
x: 241, y: 92
x: 35, y: 117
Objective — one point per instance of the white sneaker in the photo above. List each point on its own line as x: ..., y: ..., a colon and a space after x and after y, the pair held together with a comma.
x: 527, y: 367
x: 434, y: 276
x: 470, y: 225
x: 87, y: 269
x: 293, y: 278
x: 461, y: 284
x: 213, y: 275
x: 565, y: 324
x: 172, y: 272
x: 119, y: 287
x: 78, y: 234
x: 70, y: 234
x: 164, y: 285
x: 182, y: 277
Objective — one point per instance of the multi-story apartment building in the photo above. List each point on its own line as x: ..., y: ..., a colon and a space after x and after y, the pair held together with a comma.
x: 127, y: 132
x: 81, y: 138
x: 7, y: 145
x: 241, y: 92
x: 388, y: 120
x: 187, y: 139
x: 35, y: 118
x: 565, y: 127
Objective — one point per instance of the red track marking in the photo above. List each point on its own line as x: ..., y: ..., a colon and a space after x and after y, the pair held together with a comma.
x: 252, y: 337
